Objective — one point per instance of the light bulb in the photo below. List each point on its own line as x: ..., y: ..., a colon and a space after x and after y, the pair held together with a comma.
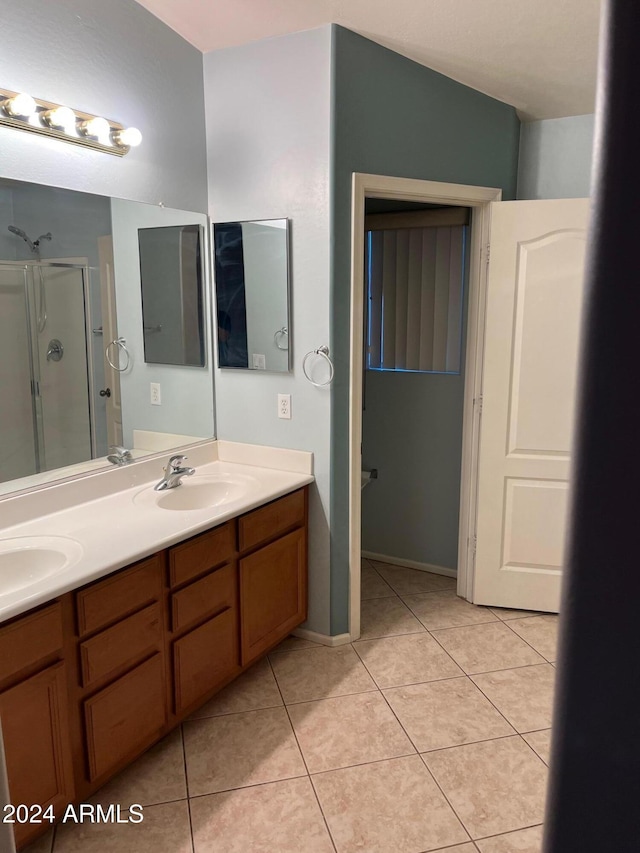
x: 20, y: 105
x: 97, y: 127
x: 61, y: 117
x: 130, y: 137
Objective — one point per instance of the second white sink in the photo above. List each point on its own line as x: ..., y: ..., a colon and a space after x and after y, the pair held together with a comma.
x: 199, y: 492
x: 28, y: 559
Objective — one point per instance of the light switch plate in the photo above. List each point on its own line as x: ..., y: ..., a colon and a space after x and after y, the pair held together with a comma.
x: 259, y: 361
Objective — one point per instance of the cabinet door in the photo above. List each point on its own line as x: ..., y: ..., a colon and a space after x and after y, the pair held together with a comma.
x: 205, y: 658
x: 126, y: 717
x: 36, y: 741
x: 273, y: 593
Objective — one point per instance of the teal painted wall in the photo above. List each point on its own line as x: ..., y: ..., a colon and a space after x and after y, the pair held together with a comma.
x: 555, y: 158
x: 392, y: 116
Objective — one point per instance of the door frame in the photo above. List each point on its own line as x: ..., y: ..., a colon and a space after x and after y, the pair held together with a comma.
x: 431, y: 192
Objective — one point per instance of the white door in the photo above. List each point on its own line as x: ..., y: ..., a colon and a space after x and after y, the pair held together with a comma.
x: 110, y: 333
x: 534, y: 300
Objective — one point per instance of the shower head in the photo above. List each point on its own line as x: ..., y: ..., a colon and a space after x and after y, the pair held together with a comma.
x: 20, y: 233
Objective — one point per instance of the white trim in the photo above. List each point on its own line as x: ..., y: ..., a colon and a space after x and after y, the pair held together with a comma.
x: 409, y: 189
x: 323, y: 639
x: 410, y: 564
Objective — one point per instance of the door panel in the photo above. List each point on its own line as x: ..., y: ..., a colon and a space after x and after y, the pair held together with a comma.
x: 534, y: 302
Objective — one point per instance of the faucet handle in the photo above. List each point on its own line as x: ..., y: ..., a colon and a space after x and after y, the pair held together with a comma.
x: 176, y: 462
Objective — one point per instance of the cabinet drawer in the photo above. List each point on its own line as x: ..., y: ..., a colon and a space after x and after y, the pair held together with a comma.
x: 273, y: 593
x: 125, y: 643
x: 204, y: 658
x: 29, y: 640
x: 200, y: 554
x: 125, y: 717
x: 271, y: 520
x: 211, y: 594
x: 36, y: 739
x: 119, y: 595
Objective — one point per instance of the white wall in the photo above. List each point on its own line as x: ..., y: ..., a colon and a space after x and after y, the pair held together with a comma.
x: 268, y: 108
x: 555, y: 158
x: 187, y: 392
x: 114, y: 59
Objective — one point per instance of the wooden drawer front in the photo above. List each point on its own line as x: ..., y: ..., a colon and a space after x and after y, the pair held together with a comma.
x: 36, y: 740
x: 125, y: 643
x: 30, y: 639
x: 125, y: 717
x: 198, y: 555
x: 119, y: 595
x: 204, y: 658
x: 271, y: 520
x: 211, y: 594
x: 273, y: 593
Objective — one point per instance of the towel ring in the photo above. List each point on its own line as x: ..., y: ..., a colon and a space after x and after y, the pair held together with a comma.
x: 323, y: 352
x: 121, y: 344
x: 281, y: 333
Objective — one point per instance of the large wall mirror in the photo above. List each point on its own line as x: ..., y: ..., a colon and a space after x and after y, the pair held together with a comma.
x: 252, y: 294
x: 73, y: 375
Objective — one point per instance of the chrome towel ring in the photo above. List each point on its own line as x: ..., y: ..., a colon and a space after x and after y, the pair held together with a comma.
x: 323, y: 352
x: 120, y: 344
x: 279, y: 336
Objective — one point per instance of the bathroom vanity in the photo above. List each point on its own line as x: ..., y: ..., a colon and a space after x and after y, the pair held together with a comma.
x: 92, y: 677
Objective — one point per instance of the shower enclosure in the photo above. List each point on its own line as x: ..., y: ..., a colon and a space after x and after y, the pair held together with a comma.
x: 45, y: 371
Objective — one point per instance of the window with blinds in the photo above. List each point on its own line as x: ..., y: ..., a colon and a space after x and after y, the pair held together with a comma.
x: 414, y: 280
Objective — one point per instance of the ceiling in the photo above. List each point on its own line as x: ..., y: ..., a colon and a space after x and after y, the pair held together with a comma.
x: 538, y: 55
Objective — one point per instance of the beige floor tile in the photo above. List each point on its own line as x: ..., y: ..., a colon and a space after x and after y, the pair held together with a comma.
x: 282, y: 817
x: 523, y: 841
x: 164, y: 829
x: 348, y: 730
x: 495, y: 786
x: 42, y: 845
x: 446, y: 713
x: 254, y: 689
x: 541, y: 743
x: 446, y: 610
x: 408, y: 659
x: 387, y: 617
x: 240, y: 749
x: 387, y: 806
x: 524, y: 695
x: 319, y: 673
x: 507, y: 615
x: 156, y: 777
x: 373, y: 586
x: 291, y: 643
x: 482, y: 648
x: 412, y: 581
x: 459, y: 848
x: 541, y: 632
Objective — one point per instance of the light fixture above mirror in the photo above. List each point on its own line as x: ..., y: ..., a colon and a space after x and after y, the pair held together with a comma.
x: 21, y: 111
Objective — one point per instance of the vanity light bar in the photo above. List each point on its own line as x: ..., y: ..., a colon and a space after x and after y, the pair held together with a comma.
x: 23, y: 112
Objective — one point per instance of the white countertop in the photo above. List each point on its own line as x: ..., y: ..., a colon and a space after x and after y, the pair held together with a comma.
x: 114, y: 530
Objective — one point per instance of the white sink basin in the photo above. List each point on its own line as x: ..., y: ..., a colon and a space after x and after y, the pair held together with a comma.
x: 199, y: 492
x: 28, y: 559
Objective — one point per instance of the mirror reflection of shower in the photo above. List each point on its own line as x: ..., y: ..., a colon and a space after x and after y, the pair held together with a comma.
x: 34, y: 248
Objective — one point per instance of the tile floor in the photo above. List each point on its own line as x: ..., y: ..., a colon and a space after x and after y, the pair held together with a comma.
x: 431, y: 733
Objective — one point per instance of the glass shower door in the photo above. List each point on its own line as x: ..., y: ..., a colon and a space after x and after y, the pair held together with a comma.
x: 18, y: 421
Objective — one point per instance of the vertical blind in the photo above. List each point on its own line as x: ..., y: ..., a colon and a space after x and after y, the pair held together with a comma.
x: 415, y: 278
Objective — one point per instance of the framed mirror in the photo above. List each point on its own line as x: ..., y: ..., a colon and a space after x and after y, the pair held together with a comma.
x: 72, y: 350
x: 171, y: 276
x: 252, y: 295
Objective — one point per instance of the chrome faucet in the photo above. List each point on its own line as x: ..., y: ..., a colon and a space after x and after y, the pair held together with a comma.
x: 120, y: 455
x: 173, y: 474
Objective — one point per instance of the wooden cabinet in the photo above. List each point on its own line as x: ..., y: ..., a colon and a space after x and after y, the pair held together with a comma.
x: 90, y: 681
x: 34, y: 714
x: 273, y: 593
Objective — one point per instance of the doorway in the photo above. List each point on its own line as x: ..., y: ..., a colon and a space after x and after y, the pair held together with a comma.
x: 441, y: 195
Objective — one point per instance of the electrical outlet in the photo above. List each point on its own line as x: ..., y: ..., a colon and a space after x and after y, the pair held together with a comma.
x: 155, y: 394
x: 284, y: 406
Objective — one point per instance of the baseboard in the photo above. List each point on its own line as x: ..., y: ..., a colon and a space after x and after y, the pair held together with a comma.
x: 323, y: 639
x: 411, y: 564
